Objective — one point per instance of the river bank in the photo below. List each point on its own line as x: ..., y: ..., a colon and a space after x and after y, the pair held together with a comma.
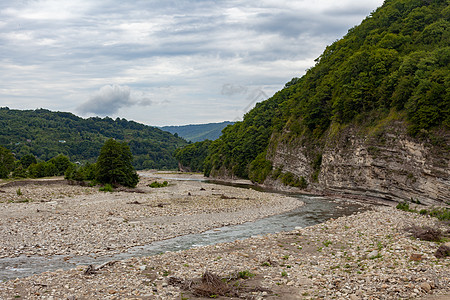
x: 46, y: 217
x: 368, y: 255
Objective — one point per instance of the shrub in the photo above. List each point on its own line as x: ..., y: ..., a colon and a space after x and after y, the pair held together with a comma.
x: 290, y: 179
x: 245, y: 274
x: 107, y: 188
x: 403, y: 206
x: 156, y: 184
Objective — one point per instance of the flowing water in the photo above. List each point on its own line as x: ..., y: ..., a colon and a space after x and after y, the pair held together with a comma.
x: 316, y: 210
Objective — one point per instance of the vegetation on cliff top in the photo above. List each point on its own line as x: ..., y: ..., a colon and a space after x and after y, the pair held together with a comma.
x: 397, y: 61
x: 45, y: 134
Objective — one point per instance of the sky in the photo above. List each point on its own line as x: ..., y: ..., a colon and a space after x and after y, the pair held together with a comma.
x: 162, y: 62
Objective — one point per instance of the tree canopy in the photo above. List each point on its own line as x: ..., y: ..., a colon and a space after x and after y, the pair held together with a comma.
x: 6, y: 162
x: 114, y: 165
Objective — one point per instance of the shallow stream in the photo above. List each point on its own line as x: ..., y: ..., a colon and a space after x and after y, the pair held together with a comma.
x: 316, y: 210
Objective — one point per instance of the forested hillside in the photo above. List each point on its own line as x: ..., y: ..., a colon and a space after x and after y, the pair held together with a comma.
x: 198, y: 132
x: 389, y: 73
x: 45, y: 134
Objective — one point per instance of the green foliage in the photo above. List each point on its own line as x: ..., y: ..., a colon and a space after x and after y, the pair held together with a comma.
x: 27, y: 160
x: 6, y: 162
x: 114, y: 165
x: 260, y: 168
x: 403, y: 206
x: 245, y: 274
x: 83, y: 173
x: 192, y: 157
x: 107, y: 188
x: 20, y: 172
x: 290, y: 179
x: 43, y: 169
x: 397, y: 60
x: 242, y: 142
x: 156, y: 184
x: 44, y: 134
x: 316, y: 164
x: 61, y: 162
x: 442, y: 213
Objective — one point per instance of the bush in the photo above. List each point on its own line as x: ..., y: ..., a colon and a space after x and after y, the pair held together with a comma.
x: 404, y: 206
x: 107, y: 188
x: 156, y: 184
x: 290, y: 179
x: 442, y: 213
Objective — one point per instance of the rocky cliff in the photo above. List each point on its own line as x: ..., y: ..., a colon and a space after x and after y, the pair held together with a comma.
x: 386, y: 163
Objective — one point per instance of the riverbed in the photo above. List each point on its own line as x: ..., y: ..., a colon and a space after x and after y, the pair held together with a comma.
x: 362, y: 255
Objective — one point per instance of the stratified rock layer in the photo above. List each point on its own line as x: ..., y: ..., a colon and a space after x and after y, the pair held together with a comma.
x: 384, y: 163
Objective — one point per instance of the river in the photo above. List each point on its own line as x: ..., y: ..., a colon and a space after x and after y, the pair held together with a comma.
x: 316, y: 210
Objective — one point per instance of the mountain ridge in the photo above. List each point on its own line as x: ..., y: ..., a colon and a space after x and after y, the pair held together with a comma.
x: 45, y: 134
x: 198, y: 132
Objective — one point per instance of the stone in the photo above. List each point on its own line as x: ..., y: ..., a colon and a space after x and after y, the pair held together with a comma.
x: 425, y: 286
x: 373, y: 254
x: 416, y: 257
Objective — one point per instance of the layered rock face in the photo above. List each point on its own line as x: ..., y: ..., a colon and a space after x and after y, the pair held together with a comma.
x: 386, y: 164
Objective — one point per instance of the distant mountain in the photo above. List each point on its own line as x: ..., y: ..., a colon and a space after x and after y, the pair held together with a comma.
x: 45, y: 134
x: 198, y: 133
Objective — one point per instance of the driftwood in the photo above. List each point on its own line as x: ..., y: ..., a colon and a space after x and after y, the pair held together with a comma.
x: 210, y: 285
x: 92, y: 270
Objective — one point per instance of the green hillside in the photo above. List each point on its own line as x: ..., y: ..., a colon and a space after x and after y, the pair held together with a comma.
x: 46, y: 134
x: 198, y: 132
x: 394, y: 65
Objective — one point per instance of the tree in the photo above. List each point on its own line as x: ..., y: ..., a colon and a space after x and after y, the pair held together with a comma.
x: 28, y: 160
x: 6, y: 162
x: 114, y: 165
x: 61, y: 163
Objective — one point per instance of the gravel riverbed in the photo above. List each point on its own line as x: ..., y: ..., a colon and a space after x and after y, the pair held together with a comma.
x: 369, y: 255
x: 61, y: 219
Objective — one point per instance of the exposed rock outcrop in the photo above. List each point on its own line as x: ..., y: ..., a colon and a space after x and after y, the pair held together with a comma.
x: 386, y: 163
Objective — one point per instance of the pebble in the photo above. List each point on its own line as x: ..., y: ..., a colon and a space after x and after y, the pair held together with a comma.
x: 89, y: 221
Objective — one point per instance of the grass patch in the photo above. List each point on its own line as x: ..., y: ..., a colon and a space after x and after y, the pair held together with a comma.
x: 156, y: 184
x: 245, y: 274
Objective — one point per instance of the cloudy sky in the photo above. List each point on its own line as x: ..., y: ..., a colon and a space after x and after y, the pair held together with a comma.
x: 162, y: 62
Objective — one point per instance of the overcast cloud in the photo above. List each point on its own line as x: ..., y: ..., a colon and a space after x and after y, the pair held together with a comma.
x: 170, y: 62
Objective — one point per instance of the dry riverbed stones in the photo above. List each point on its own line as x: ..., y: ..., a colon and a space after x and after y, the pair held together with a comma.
x: 369, y: 255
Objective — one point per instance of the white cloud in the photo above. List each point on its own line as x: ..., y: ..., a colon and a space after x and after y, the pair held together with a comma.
x: 174, y: 62
x: 107, y: 101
